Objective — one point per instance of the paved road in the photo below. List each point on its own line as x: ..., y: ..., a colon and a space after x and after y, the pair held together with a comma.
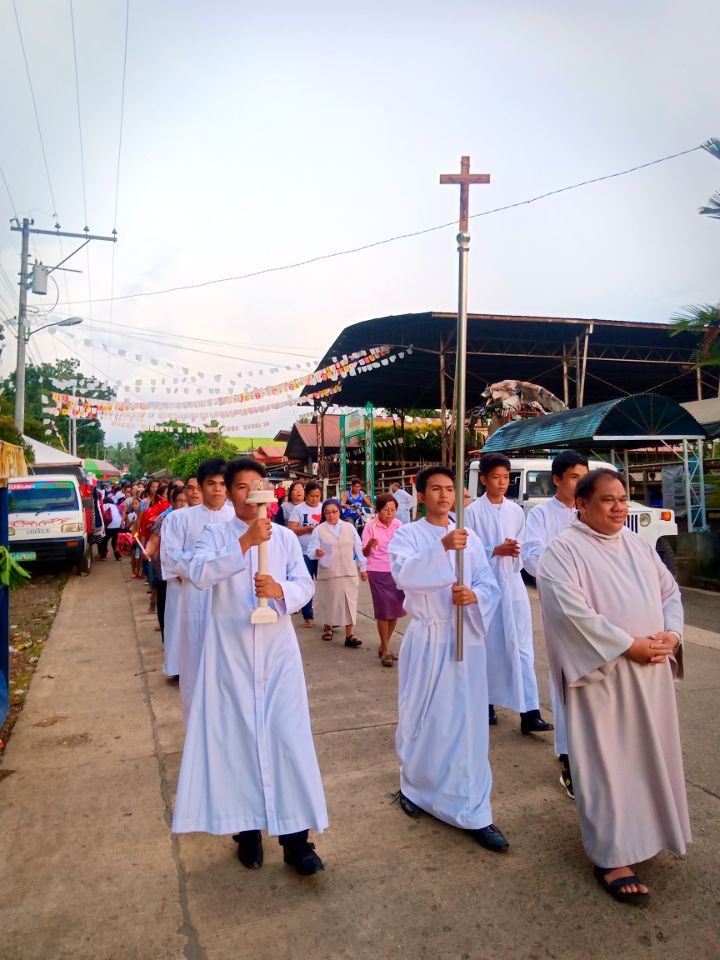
x: 90, y: 869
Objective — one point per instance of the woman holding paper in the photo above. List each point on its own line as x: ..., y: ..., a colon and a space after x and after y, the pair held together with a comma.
x: 387, y: 599
x: 336, y: 546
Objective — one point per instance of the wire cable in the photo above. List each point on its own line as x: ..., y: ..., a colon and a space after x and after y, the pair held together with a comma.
x: 117, y: 172
x: 82, y: 155
x: 401, y: 236
x: 9, y: 193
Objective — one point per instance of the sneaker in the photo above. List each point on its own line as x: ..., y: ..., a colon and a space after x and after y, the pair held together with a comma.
x: 302, y: 856
x: 566, y: 781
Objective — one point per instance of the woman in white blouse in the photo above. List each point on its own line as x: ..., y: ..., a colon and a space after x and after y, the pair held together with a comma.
x: 336, y: 545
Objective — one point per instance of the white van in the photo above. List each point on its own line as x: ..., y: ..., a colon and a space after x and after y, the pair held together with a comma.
x: 47, y: 520
x: 531, y: 483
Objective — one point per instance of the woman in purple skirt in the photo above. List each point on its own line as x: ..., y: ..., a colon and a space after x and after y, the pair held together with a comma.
x: 387, y: 599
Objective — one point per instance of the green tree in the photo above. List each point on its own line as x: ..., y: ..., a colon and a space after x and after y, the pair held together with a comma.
x: 703, y: 318
x: 713, y: 205
x: 38, y: 383
x: 188, y: 462
x: 156, y: 449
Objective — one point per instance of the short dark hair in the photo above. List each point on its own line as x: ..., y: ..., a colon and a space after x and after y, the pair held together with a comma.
x: 563, y: 461
x: 382, y: 500
x: 191, y: 476
x: 292, y: 487
x: 489, y: 461
x: 355, y: 480
x: 421, y: 479
x: 586, y: 485
x: 175, y: 493
x: 236, y: 466
x: 211, y: 468
x: 313, y: 485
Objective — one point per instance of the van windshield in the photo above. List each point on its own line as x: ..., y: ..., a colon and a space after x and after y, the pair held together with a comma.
x: 540, y: 484
x: 37, y: 496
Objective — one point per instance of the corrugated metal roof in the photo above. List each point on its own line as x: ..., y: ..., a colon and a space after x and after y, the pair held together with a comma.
x: 626, y: 422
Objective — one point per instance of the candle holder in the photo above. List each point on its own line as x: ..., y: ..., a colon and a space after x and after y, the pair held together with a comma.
x: 263, y: 494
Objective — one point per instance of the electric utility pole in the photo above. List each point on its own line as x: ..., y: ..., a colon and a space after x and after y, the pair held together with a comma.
x: 26, y: 228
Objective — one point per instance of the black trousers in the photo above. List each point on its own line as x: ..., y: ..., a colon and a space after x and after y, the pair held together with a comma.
x: 161, y: 597
x: 110, y: 537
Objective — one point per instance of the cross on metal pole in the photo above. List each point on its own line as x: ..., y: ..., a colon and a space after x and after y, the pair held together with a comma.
x: 465, y: 179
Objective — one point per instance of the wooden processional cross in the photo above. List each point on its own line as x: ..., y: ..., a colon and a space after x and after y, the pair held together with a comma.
x: 465, y: 179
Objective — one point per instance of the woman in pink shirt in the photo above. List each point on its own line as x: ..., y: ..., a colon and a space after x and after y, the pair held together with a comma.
x: 387, y: 599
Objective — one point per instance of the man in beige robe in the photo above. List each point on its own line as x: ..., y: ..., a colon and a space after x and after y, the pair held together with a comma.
x: 613, y: 621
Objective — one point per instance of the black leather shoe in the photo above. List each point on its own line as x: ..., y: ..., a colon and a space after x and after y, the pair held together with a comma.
x: 490, y: 838
x: 492, y: 716
x: 407, y: 806
x: 302, y: 856
x: 532, y: 722
x: 250, y: 848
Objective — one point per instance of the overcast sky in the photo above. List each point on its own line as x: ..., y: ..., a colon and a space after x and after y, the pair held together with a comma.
x: 262, y: 134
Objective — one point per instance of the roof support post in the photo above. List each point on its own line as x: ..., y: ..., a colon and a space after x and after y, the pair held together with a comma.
x: 566, y: 377
x: 444, y: 447
x: 626, y: 471
x: 698, y: 381
x: 588, y: 331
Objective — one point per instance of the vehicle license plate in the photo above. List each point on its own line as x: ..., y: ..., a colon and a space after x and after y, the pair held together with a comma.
x: 23, y: 555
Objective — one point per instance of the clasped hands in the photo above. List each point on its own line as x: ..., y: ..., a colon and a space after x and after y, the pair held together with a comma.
x: 653, y: 649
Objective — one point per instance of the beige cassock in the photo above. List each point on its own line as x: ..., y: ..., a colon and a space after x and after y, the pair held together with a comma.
x: 597, y: 593
x: 336, y: 592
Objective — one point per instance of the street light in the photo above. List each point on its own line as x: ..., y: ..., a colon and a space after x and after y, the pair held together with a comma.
x: 67, y: 322
x: 23, y: 337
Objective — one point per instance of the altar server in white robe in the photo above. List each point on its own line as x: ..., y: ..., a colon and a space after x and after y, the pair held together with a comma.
x: 187, y: 609
x: 442, y: 733
x: 542, y: 524
x: 500, y: 525
x: 613, y: 621
x: 249, y: 761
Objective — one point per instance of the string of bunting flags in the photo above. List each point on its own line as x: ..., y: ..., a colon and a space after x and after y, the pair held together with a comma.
x: 135, y: 414
x: 357, y: 363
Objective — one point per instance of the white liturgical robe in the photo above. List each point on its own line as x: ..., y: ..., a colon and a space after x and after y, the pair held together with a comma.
x: 442, y: 733
x: 510, y: 652
x: 404, y: 505
x: 187, y: 609
x: 597, y: 593
x: 542, y: 524
x: 249, y: 760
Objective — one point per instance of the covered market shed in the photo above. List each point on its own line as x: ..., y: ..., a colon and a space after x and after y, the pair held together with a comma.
x: 623, y: 424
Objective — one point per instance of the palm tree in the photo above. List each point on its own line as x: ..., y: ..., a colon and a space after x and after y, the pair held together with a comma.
x: 701, y: 318
x: 713, y: 208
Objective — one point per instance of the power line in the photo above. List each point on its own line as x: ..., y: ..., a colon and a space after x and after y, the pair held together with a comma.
x: 117, y: 170
x: 400, y: 236
x: 82, y: 153
x: 35, y: 109
x: 7, y: 188
x: 265, y: 348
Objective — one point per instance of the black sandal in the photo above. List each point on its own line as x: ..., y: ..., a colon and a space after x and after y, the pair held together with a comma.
x: 352, y: 642
x: 327, y: 634
x: 614, y: 888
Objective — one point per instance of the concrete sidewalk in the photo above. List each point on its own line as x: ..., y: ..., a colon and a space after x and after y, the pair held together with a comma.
x: 90, y: 869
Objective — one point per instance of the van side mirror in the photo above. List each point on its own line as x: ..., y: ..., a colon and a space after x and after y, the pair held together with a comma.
x: 526, y: 496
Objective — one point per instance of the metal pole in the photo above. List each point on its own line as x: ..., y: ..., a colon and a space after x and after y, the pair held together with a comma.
x: 22, y: 332
x: 463, y: 240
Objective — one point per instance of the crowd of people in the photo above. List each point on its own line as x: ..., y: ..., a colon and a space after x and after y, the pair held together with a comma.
x: 612, y: 622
